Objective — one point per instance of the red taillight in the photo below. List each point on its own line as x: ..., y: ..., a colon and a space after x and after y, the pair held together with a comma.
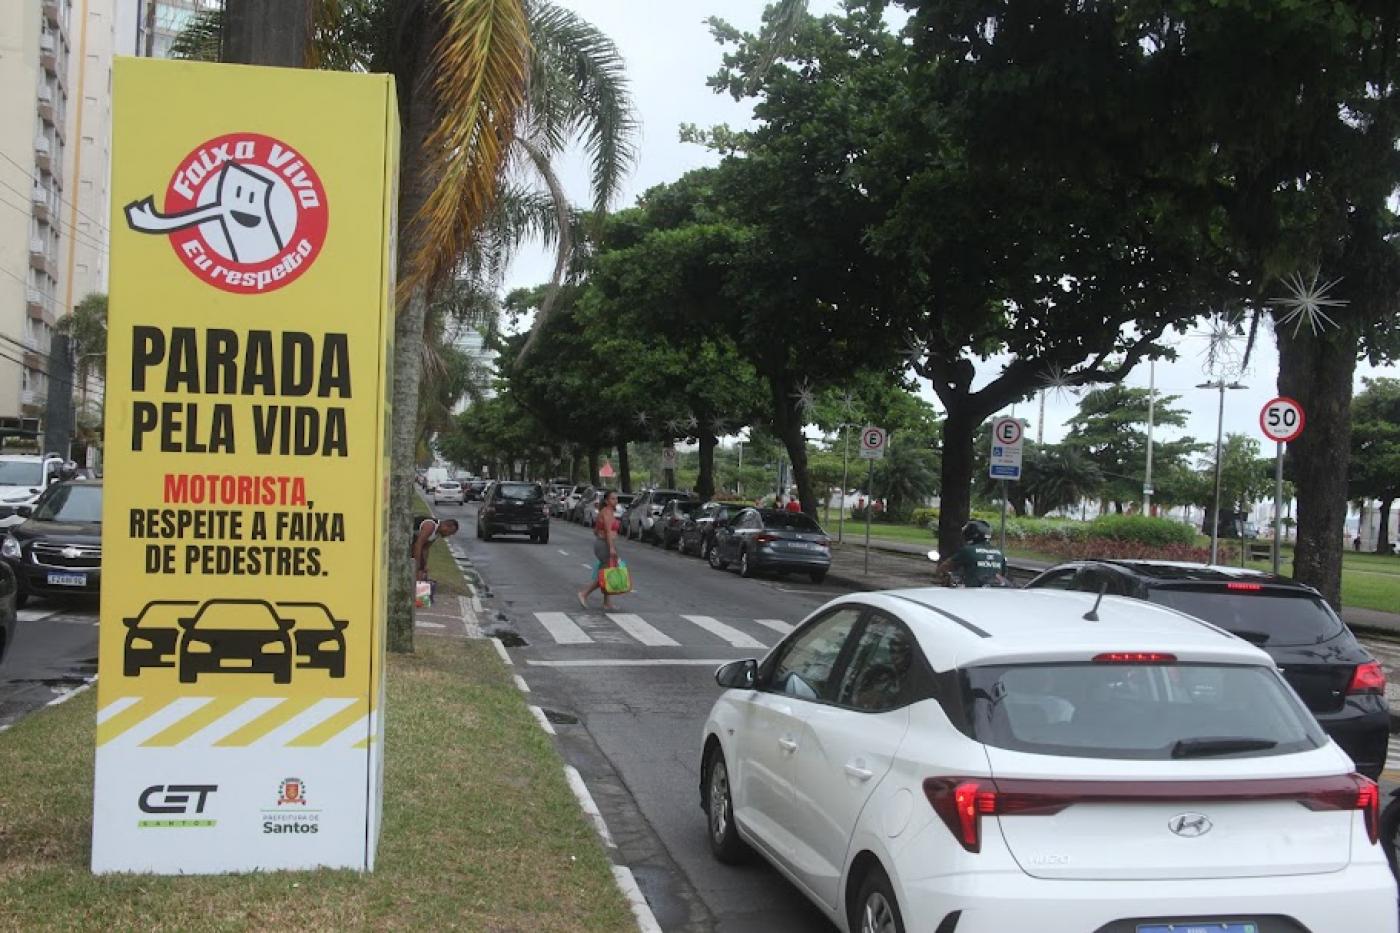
x: 764, y: 539
x: 961, y: 803
x: 1367, y: 678
x: 1135, y: 657
x: 1247, y: 587
x: 1368, y: 801
x: 823, y: 542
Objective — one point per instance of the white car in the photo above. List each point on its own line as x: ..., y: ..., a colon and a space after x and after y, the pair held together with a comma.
x: 448, y: 490
x: 985, y: 761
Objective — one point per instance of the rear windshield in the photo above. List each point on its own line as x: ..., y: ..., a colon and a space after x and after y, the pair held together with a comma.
x: 1263, y: 617
x: 526, y: 491
x: 1157, y: 712
x: 795, y: 521
x: 625, y: 500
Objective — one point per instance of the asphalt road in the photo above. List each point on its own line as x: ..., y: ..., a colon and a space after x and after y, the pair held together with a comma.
x: 640, y: 683
x: 55, y: 651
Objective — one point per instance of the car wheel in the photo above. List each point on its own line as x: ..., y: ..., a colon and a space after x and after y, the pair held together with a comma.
x: 745, y: 570
x: 818, y: 576
x: 724, y: 837
x: 875, y: 909
x: 21, y: 600
x: 486, y: 534
x: 712, y: 558
x: 544, y: 537
x: 680, y: 546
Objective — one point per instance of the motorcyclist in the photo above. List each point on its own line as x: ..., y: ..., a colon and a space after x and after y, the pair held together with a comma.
x: 977, y: 562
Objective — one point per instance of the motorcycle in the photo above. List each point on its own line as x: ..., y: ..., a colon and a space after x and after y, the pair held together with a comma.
x: 954, y: 580
x: 1390, y: 831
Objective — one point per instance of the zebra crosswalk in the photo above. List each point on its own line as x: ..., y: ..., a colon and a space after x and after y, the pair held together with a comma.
x: 659, y: 630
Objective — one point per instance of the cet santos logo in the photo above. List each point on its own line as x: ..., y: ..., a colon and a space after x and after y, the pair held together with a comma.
x: 245, y: 213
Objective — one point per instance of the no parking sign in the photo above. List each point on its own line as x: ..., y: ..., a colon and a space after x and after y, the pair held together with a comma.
x: 1007, y: 439
x: 872, y: 442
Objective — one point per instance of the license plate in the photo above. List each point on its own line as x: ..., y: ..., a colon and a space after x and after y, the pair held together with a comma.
x: 67, y: 579
x: 517, y: 527
x: 1232, y: 926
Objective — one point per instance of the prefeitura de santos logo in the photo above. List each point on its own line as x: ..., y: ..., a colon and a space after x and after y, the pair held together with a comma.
x: 245, y: 212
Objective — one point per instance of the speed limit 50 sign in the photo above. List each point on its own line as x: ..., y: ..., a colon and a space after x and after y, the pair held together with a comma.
x: 1281, y: 420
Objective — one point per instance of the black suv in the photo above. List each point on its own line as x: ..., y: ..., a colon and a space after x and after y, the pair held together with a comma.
x: 1340, y: 682
x: 511, y: 508
x: 58, y: 550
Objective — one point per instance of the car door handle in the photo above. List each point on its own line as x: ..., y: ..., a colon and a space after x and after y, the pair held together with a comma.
x: 855, y: 770
x: 787, y: 745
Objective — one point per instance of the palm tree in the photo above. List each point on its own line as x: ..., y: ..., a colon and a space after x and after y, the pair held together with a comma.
x: 86, y: 328
x: 905, y: 477
x: 1059, y: 475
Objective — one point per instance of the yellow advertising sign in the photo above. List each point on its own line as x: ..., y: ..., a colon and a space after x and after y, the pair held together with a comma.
x: 245, y: 499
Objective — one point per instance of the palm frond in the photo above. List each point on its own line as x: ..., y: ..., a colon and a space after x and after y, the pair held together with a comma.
x: 564, y: 245
x: 202, y: 39
x: 579, y: 88
x: 480, y: 78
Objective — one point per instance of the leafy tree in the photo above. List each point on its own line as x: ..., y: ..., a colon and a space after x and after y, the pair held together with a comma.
x: 1375, y: 449
x: 1110, y: 428
x: 1245, y: 477
x: 1060, y: 475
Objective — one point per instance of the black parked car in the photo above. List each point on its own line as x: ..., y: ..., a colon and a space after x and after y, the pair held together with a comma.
x: 698, y: 530
x: 772, y: 539
x: 667, y: 529
x: 1314, y: 650
x: 57, y: 551
x: 8, y: 593
x: 512, y: 508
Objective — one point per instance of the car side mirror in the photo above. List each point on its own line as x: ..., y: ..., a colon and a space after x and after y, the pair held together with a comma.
x: 738, y: 675
x: 24, y: 510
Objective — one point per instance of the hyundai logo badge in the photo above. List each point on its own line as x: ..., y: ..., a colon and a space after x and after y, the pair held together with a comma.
x: 1189, y: 825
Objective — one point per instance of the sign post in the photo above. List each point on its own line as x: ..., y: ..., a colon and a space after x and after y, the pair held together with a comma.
x: 1281, y: 419
x: 873, y: 441
x: 1008, y: 439
x: 241, y: 645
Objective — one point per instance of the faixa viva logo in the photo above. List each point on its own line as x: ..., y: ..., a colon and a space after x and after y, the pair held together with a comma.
x: 245, y: 213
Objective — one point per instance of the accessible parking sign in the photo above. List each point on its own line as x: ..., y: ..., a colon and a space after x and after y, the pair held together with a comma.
x: 240, y: 697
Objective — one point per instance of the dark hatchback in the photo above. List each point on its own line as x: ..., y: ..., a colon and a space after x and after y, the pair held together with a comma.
x: 57, y: 551
x: 514, y: 509
x: 1317, y: 654
x: 772, y: 540
x: 698, y: 529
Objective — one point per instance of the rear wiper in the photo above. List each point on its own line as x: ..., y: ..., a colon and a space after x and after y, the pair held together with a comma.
x: 1219, y: 745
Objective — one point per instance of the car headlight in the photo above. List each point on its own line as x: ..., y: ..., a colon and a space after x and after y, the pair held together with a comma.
x: 10, y: 548
x: 142, y: 644
x: 197, y: 647
x: 274, y: 647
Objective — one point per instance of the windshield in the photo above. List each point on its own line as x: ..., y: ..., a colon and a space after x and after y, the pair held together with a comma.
x: 793, y: 521
x: 529, y: 492
x: 65, y: 503
x: 1139, y: 711
x: 21, y: 473
x: 1264, y: 617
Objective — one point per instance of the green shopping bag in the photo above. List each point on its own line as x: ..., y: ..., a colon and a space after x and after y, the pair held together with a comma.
x: 614, y: 579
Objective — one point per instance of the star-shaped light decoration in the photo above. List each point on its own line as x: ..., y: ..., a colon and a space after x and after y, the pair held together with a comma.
x: 673, y: 425
x: 914, y: 350
x: 643, y: 419
x: 1057, y: 382
x: 848, y: 402
x: 806, y: 397
x: 1224, y: 352
x: 691, y: 422
x: 1305, y: 301
x: 718, y: 427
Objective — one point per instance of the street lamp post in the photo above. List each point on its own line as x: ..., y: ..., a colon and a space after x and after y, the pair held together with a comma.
x: 1220, y: 385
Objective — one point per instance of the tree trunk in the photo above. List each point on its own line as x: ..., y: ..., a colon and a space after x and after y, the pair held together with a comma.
x: 705, y: 482
x: 593, y: 466
x: 955, y: 502
x: 1383, y: 530
x: 788, y: 424
x: 414, y: 189
x: 1317, y: 371
x: 265, y: 32
x: 624, y: 467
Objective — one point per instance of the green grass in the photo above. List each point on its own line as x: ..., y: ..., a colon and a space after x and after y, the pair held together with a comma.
x: 481, y: 832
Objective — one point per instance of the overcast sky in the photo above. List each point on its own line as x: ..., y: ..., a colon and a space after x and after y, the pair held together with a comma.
x: 670, y: 54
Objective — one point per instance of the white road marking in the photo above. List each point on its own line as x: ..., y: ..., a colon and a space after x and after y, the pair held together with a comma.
x: 585, y: 801
x: 501, y: 650
x: 34, y: 615
x: 777, y: 625
x: 430, y: 625
x: 521, y: 685
x: 564, y: 552
x: 730, y: 634
x: 640, y: 630
x: 635, y: 662
x: 542, y: 719
x: 563, y: 629
x: 646, y: 920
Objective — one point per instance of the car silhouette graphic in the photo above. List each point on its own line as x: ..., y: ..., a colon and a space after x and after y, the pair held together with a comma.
x: 149, y: 643
x: 236, y: 636
x: 319, y: 637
